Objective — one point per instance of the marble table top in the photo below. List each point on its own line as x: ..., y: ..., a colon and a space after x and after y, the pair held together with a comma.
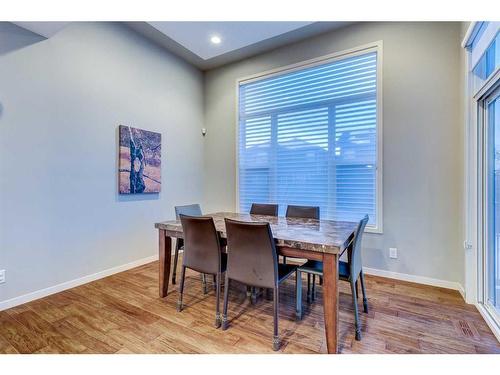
x: 326, y: 236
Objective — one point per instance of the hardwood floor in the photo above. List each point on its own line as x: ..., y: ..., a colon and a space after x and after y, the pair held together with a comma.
x: 123, y: 314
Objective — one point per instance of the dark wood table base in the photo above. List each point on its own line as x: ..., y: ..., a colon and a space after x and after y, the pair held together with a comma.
x: 165, y: 258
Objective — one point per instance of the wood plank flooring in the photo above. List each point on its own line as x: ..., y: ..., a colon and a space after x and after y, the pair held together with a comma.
x: 123, y: 314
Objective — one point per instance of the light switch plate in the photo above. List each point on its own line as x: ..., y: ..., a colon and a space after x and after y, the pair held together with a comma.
x: 393, y: 252
x: 2, y: 276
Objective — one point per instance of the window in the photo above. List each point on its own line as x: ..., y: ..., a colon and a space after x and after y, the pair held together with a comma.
x: 308, y: 135
x: 489, y: 61
x: 483, y: 44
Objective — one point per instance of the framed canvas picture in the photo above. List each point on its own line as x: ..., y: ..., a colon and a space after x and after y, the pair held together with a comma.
x: 139, y: 161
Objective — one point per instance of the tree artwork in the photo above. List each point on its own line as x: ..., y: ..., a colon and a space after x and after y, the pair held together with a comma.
x: 140, y: 161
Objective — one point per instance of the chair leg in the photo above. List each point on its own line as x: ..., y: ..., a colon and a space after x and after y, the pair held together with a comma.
x: 356, y: 316
x: 217, y: 300
x: 204, y: 283
x: 269, y: 296
x: 284, y: 259
x: 253, y: 295
x: 224, y: 311
x: 176, y: 258
x: 357, y: 290
x: 276, y: 338
x: 313, y: 291
x: 365, y: 301
x: 298, y: 295
x: 181, y: 289
x: 215, y: 282
x: 249, y: 292
x: 308, y: 288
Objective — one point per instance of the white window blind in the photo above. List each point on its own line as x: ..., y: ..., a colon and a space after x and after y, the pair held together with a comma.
x: 309, y: 137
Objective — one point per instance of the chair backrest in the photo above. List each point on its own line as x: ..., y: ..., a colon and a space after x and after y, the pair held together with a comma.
x: 202, y: 250
x: 306, y: 212
x: 251, y: 256
x: 354, y: 253
x: 189, y: 209
x: 264, y: 209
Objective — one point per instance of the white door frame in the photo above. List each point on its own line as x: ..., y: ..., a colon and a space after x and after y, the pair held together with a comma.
x: 471, y: 205
x: 477, y: 201
x: 473, y: 161
x: 475, y: 189
x: 490, y: 94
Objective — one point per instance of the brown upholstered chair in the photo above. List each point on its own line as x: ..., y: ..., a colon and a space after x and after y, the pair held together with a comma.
x: 190, y: 210
x: 304, y: 212
x: 253, y: 260
x: 264, y: 209
x: 202, y: 253
x: 261, y: 209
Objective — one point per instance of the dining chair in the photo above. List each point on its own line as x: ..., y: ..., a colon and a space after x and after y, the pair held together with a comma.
x: 190, y: 210
x: 304, y: 212
x: 253, y: 260
x: 261, y: 209
x: 264, y: 209
x: 348, y: 271
x: 202, y: 253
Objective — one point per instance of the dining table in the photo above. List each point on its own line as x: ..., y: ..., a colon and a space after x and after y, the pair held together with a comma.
x: 320, y: 240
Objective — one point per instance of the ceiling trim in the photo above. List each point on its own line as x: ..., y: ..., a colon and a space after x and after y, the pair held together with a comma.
x: 155, y: 35
x: 43, y: 28
x: 266, y: 45
x: 150, y: 32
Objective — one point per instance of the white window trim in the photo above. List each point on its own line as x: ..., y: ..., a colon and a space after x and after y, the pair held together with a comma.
x: 367, y: 48
x: 471, y: 206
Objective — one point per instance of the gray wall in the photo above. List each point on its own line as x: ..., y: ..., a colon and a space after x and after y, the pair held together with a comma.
x: 61, y: 101
x: 422, y: 148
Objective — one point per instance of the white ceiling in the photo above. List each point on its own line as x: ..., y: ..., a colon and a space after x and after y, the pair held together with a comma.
x: 195, y: 36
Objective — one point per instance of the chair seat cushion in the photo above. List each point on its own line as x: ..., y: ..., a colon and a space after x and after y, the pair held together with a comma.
x: 285, y: 270
x: 314, y: 266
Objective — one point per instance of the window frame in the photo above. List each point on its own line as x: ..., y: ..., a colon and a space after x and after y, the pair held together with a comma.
x: 336, y: 56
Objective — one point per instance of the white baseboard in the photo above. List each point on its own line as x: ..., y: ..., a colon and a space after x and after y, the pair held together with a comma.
x: 73, y: 283
x: 415, y: 279
x: 461, y: 290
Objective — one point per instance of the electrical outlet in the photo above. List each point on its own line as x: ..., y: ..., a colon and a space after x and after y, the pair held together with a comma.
x: 393, y: 252
x: 2, y: 276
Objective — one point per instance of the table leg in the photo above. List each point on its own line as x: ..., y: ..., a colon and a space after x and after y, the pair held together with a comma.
x: 330, y: 300
x: 165, y: 258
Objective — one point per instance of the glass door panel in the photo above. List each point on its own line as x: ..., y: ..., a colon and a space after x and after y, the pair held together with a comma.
x: 492, y: 264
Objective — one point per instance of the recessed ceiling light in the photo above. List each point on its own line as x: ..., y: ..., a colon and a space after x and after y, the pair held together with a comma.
x: 215, y: 39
